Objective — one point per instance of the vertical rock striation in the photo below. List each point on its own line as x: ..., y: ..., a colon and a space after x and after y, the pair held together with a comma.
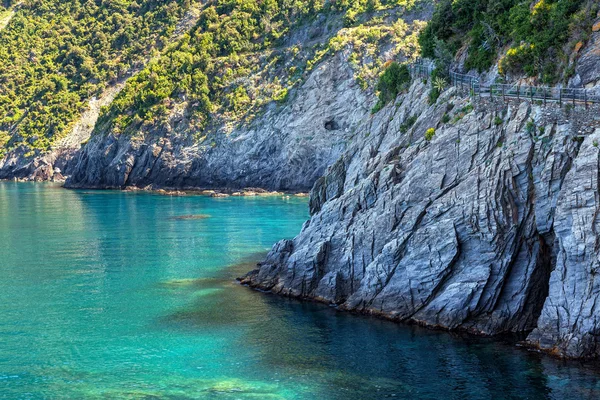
x: 490, y: 227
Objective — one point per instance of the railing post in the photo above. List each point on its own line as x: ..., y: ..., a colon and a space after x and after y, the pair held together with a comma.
x: 531, y: 93
x: 544, y: 96
x: 585, y: 97
x: 560, y: 97
x: 519, y: 92
x: 573, y: 96
x: 503, y: 94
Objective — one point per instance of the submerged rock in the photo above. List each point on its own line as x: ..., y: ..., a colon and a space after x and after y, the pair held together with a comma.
x: 490, y: 227
x: 190, y: 217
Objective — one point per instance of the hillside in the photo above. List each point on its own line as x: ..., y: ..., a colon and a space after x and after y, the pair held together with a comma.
x: 539, y: 41
x: 265, y: 108
x: 58, y: 54
x: 238, y: 63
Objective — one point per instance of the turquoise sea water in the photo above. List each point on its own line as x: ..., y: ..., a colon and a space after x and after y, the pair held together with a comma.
x: 108, y: 295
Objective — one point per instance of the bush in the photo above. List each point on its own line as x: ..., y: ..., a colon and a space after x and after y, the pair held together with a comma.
x: 429, y: 134
x: 395, y: 79
x: 530, y: 127
x: 434, y: 94
x: 481, y: 52
x: 518, y: 59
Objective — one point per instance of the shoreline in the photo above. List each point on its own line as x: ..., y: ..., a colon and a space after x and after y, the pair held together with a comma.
x: 516, y: 339
x: 180, y: 191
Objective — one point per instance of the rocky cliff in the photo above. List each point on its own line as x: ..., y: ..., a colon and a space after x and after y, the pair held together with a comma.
x: 288, y: 148
x: 283, y: 144
x: 469, y: 214
x: 489, y: 227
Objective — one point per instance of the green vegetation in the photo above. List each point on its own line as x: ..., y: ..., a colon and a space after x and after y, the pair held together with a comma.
x: 543, y: 33
x: 462, y: 112
x: 530, y: 128
x: 56, y: 54
x: 429, y: 134
x: 408, y: 123
x: 438, y: 84
x: 235, y: 60
x: 395, y: 79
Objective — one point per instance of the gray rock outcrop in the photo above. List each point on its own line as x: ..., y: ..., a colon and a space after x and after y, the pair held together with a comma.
x: 490, y: 227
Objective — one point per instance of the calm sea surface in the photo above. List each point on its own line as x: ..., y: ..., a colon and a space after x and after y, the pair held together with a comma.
x: 109, y: 295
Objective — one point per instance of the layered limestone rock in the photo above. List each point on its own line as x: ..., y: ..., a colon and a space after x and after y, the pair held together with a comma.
x: 490, y: 227
x: 289, y: 147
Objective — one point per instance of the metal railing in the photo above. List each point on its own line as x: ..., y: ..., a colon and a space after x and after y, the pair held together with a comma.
x: 545, y: 94
x: 421, y: 69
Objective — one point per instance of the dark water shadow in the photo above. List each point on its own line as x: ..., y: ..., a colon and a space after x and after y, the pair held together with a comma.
x: 364, y: 357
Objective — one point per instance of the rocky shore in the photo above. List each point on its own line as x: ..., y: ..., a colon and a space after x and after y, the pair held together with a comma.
x: 490, y: 227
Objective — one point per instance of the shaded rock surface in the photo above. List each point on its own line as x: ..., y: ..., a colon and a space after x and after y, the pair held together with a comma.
x: 490, y: 227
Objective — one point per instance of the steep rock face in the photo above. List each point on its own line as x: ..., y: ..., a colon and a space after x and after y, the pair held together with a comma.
x: 587, y: 69
x: 570, y: 320
x: 484, y: 228
x: 287, y: 148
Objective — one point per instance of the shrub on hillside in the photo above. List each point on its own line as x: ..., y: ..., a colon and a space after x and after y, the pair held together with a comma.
x: 429, y: 134
x: 392, y: 81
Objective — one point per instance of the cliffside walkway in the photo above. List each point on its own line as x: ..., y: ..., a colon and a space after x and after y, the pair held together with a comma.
x: 505, y: 91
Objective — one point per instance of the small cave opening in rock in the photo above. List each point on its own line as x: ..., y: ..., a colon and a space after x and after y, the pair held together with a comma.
x: 540, y: 280
x: 331, y: 125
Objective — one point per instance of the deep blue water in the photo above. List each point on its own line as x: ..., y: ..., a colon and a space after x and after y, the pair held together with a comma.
x: 109, y: 295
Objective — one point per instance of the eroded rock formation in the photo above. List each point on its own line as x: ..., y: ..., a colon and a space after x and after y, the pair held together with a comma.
x: 490, y: 227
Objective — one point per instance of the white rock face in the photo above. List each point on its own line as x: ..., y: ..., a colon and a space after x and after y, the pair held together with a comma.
x: 490, y: 227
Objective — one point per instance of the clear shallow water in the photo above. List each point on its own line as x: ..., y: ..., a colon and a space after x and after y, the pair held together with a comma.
x: 111, y: 295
